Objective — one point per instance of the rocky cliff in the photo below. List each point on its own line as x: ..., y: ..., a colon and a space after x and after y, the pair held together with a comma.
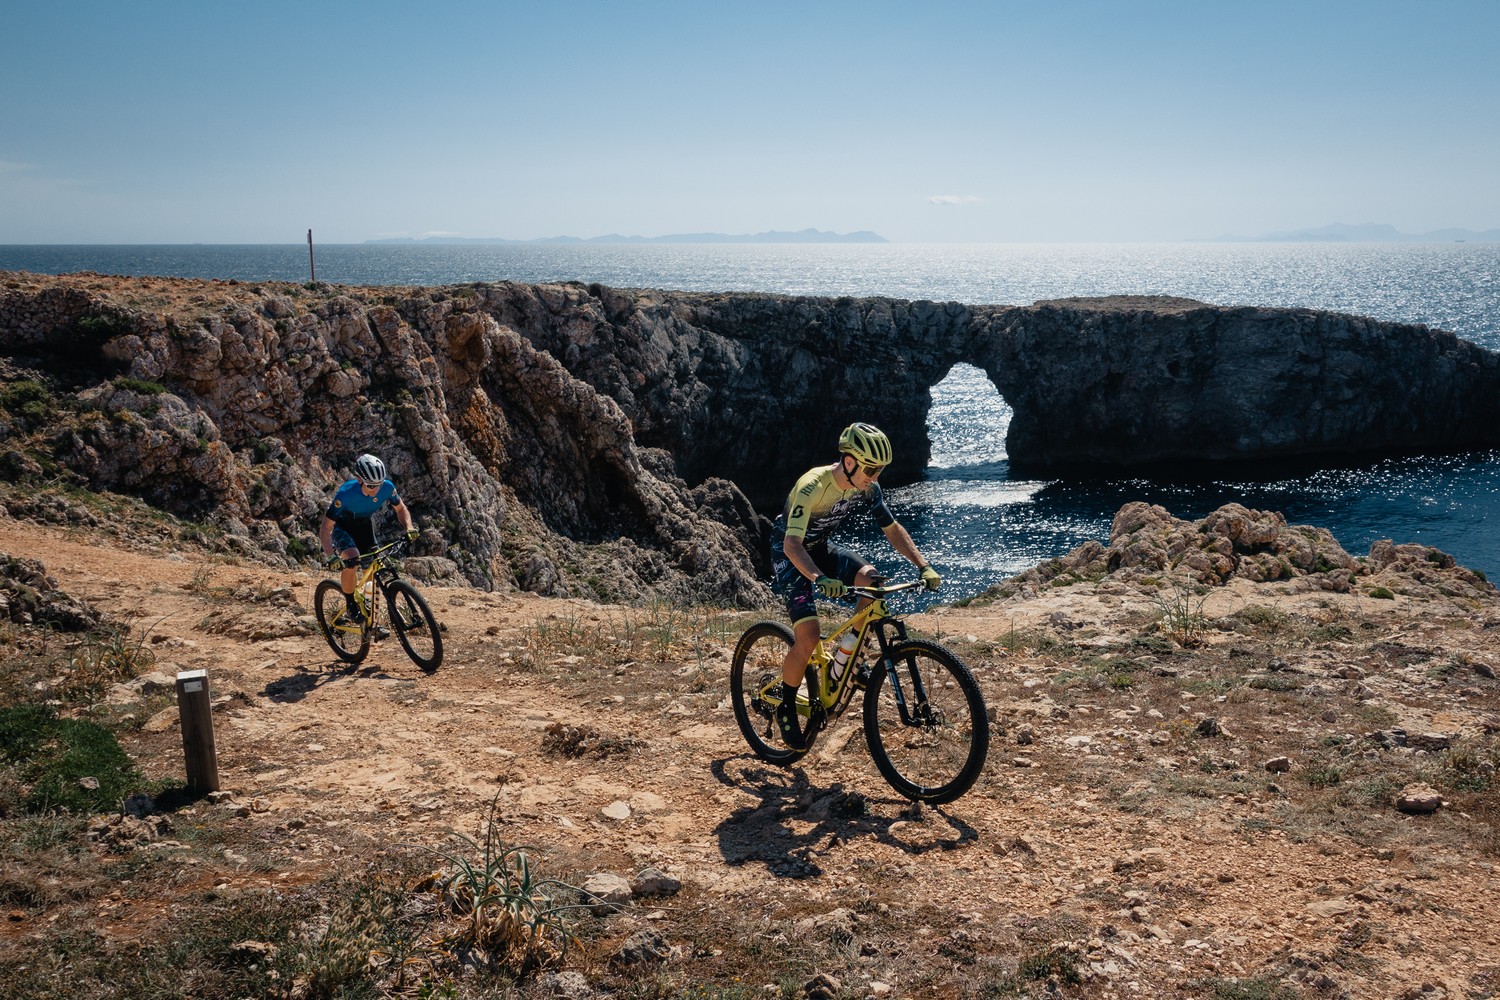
x: 243, y: 405
x: 598, y: 441
x: 1135, y: 380
x: 754, y: 388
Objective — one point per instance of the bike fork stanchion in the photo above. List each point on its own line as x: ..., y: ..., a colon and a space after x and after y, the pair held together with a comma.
x: 897, y: 690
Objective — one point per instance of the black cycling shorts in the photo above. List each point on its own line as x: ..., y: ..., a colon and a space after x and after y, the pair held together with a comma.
x: 354, y: 535
x: 801, y: 595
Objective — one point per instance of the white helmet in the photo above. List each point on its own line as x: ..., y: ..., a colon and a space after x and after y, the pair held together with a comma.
x: 369, y: 470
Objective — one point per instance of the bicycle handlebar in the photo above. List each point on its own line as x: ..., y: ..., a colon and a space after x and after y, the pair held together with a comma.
x: 881, y: 591
x: 389, y: 548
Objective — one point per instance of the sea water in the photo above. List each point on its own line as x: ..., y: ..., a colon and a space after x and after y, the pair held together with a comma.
x: 974, y: 520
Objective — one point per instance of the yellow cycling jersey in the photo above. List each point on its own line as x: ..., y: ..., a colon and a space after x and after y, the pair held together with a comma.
x: 816, y: 506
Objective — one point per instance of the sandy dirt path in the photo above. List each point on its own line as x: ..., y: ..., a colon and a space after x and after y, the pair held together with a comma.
x: 1157, y: 890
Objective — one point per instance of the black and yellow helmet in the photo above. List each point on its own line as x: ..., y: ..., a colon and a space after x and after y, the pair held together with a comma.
x: 867, y: 443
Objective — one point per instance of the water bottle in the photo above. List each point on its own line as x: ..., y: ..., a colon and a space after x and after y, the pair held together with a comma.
x: 843, y: 654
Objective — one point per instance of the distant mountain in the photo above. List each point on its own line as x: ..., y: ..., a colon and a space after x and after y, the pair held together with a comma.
x: 1368, y: 232
x: 801, y: 236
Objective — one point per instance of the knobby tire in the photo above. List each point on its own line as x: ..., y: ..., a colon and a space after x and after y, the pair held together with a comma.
x: 939, y: 758
x: 333, y: 618
x: 414, y: 625
x: 757, y: 661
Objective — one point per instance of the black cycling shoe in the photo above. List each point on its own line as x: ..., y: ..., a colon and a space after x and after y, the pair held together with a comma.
x: 787, y: 722
x: 381, y: 632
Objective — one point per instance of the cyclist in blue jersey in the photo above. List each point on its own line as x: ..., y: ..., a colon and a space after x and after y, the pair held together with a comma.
x: 346, y: 527
x: 803, y: 559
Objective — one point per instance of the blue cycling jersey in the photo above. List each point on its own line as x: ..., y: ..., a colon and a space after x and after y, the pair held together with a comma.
x: 351, y: 504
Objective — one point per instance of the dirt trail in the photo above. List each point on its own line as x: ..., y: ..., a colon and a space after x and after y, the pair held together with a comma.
x: 1073, y: 834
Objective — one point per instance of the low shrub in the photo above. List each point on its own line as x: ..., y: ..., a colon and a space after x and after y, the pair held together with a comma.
x: 139, y: 385
x: 516, y: 919
x: 29, y: 402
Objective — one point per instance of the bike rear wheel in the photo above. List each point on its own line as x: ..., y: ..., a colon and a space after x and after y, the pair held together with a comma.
x: 347, y: 637
x: 412, y: 621
x: 754, y: 673
x: 935, y: 751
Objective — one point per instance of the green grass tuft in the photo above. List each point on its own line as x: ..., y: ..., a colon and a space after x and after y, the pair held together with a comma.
x: 51, y: 758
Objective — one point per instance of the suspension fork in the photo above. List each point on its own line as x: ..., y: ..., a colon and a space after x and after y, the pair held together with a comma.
x: 385, y: 577
x: 911, y: 714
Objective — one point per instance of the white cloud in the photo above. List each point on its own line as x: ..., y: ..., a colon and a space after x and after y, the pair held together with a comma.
x: 955, y: 199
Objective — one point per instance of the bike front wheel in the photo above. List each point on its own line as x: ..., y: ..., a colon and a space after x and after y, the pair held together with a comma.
x: 755, y: 677
x: 347, y: 637
x: 925, y: 722
x: 412, y: 621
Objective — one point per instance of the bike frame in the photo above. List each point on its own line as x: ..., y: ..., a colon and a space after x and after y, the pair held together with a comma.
x: 377, y: 572
x: 831, y: 696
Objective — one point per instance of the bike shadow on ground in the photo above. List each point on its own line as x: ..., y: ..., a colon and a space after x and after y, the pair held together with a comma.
x: 795, y: 821
x: 307, y: 678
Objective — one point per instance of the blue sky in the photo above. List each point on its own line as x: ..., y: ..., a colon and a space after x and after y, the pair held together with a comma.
x: 168, y: 122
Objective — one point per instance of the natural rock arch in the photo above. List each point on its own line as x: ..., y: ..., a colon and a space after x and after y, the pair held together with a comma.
x: 755, y: 388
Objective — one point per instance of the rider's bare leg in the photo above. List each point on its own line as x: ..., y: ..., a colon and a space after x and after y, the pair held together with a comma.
x: 350, y: 575
x: 804, y: 641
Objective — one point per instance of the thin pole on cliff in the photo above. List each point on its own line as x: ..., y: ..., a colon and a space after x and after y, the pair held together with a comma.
x: 311, y: 267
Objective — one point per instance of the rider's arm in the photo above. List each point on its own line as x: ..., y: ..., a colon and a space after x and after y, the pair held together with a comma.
x: 797, y: 553
x: 901, y: 541
x: 402, y: 514
x: 325, y: 535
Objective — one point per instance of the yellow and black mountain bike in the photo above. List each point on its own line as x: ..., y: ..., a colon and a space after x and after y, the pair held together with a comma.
x: 411, y: 619
x: 925, y: 722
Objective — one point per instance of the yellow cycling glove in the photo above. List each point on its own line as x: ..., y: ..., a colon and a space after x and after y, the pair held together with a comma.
x: 930, y: 578
x: 830, y: 586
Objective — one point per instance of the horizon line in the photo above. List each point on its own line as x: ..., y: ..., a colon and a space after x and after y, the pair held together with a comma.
x: 1484, y: 237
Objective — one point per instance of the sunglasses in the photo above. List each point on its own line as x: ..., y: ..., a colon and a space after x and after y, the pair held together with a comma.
x: 872, y: 471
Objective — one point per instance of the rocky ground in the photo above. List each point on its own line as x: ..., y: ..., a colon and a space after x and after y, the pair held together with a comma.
x: 1192, y: 790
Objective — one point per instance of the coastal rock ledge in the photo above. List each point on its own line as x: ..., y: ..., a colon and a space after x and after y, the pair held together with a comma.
x: 585, y: 440
x: 1147, y: 544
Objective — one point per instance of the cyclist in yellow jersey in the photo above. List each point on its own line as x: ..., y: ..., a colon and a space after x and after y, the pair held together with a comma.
x: 803, y: 558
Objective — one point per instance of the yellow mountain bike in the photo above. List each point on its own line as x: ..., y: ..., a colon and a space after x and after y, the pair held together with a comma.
x: 925, y: 722
x: 410, y: 617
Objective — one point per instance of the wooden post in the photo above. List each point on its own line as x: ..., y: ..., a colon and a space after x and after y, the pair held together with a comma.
x: 197, y: 731
x: 311, y: 267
